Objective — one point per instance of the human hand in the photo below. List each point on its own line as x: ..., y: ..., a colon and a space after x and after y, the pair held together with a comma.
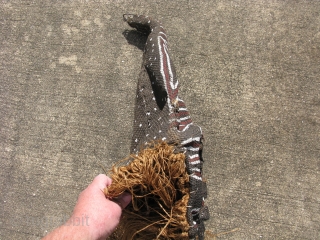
x: 94, y: 216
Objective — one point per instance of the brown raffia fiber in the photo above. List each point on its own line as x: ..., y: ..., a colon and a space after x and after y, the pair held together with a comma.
x: 159, y: 185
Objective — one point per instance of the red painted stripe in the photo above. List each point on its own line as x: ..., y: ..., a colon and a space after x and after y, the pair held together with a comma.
x: 194, y: 159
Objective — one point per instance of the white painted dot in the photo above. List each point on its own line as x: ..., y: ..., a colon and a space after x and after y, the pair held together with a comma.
x: 154, y: 137
x: 153, y: 98
x: 148, y: 113
x: 147, y: 134
x: 160, y: 131
x: 155, y: 58
x: 150, y: 39
x: 155, y: 109
x: 164, y: 138
x: 136, y: 140
x: 140, y: 125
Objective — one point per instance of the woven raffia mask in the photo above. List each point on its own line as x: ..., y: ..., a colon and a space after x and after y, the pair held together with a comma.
x: 164, y: 170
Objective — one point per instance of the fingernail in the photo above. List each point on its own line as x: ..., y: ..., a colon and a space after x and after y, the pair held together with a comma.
x: 123, y: 200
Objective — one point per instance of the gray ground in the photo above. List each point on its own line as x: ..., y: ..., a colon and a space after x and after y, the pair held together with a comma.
x: 249, y: 74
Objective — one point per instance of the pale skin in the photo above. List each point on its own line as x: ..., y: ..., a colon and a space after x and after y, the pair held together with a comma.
x: 94, y: 217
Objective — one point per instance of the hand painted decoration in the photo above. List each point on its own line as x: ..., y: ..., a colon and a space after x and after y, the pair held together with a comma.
x: 161, y: 115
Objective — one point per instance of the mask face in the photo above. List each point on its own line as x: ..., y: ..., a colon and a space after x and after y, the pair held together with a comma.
x: 161, y: 116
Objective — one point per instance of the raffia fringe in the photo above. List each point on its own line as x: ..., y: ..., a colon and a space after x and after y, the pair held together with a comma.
x: 157, y: 179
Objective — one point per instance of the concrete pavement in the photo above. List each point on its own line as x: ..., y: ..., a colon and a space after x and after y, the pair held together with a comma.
x: 249, y: 74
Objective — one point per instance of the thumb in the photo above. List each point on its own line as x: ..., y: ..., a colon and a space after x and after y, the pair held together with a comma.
x: 123, y: 200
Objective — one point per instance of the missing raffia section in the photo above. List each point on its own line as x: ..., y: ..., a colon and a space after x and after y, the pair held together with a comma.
x: 157, y: 179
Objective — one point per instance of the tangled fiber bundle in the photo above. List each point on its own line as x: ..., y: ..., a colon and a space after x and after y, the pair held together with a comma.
x: 157, y: 179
